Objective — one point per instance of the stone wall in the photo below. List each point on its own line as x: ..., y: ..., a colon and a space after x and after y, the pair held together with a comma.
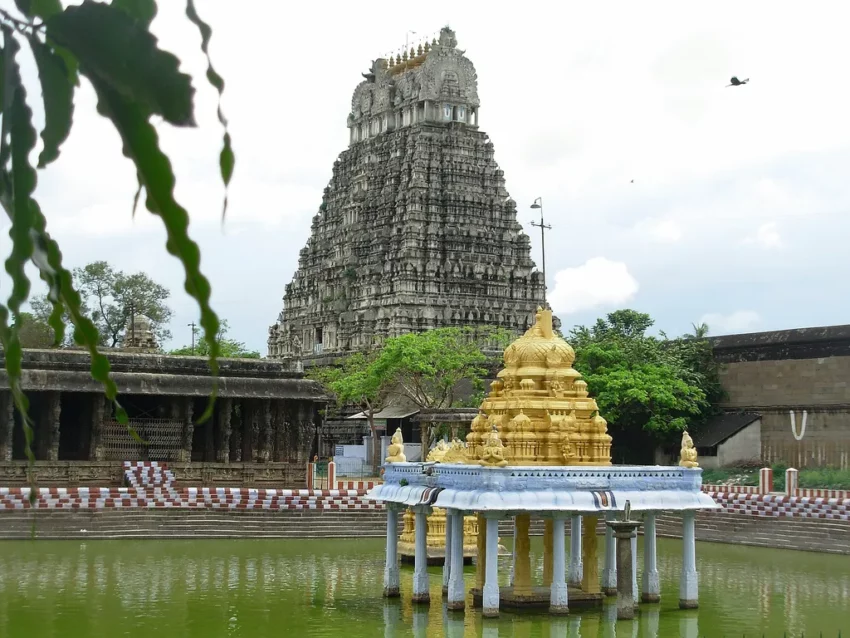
x: 774, y: 373
x: 64, y: 474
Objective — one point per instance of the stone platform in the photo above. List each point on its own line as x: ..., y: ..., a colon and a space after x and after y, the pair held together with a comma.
x: 539, y: 598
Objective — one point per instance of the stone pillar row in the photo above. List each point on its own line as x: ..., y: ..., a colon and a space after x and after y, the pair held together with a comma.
x: 620, y: 560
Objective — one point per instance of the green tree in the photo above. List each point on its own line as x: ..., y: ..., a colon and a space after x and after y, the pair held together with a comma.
x: 33, y: 332
x: 114, y: 297
x: 649, y: 389
x: 429, y: 368
x: 134, y: 81
x: 228, y: 348
x: 358, y: 381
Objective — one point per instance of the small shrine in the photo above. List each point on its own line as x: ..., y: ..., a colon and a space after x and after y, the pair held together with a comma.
x: 138, y: 335
x: 539, y: 449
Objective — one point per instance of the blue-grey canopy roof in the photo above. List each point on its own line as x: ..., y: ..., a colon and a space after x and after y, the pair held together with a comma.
x: 543, y: 489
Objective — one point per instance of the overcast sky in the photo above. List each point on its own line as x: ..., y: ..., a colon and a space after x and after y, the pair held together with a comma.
x: 738, y: 213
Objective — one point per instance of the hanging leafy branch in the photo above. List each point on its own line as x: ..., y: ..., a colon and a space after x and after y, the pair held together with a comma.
x: 112, y: 47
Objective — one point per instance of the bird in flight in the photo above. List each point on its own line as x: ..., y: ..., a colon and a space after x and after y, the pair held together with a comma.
x: 736, y: 82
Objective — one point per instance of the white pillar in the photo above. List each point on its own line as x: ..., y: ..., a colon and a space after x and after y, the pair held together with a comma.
x: 576, y: 567
x: 609, y: 571
x: 447, y: 560
x: 651, y: 592
x: 513, y: 556
x: 689, y: 583
x: 634, y: 570
x: 490, y: 595
x: 558, y: 599
x: 457, y: 593
x: 421, y: 590
x: 391, y: 566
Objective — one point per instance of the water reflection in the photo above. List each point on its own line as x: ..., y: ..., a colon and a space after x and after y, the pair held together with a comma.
x: 258, y: 589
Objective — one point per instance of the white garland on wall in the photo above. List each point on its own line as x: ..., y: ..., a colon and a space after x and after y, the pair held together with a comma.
x: 802, y: 433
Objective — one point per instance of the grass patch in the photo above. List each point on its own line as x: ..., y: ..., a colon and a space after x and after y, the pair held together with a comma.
x: 829, y: 478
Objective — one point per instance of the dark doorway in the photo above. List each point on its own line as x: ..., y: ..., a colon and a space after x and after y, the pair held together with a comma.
x: 75, y: 426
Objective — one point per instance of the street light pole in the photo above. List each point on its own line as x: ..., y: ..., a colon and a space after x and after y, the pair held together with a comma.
x: 192, y: 326
x: 538, y: 203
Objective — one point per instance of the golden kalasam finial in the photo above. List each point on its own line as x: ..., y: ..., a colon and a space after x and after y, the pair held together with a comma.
x: 396, y: 449
x: 419, y: 51
x: 688, y: 455
x: 404, y: 57
x: 412, y: 53
x: 427, y: 46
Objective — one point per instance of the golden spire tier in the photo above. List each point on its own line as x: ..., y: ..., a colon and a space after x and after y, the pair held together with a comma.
x: 540, y: 407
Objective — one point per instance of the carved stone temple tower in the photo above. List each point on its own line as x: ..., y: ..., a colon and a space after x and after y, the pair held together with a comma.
x: 415, y: 230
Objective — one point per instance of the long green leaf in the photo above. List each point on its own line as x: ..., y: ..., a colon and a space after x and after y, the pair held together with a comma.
x: 226, y: 159
x: 17, y: 120
x: 122, y: 54
x: 142, y: 10
x: 57, y: 87
x: 61, y: 292
x: 141, y: 144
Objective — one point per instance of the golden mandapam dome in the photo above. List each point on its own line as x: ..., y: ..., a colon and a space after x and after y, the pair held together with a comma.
x: 538, y: 350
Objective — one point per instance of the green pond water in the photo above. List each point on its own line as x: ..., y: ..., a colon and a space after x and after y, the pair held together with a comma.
x: 276, y: 588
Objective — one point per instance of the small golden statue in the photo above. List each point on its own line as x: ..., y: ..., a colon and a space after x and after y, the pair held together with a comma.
x: 396, y: 449
x: 439, y: 452
x: 493, y: 452
x: 456, y: 452
x: 688, y: 455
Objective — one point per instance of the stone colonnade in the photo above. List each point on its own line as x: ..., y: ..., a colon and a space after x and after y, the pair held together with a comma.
x: 580, y: 572
x: 241, y: 429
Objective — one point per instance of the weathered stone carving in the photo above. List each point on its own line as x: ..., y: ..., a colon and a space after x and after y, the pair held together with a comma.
x: 416, y: 229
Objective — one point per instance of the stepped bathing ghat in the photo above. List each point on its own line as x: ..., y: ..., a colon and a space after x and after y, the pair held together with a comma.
x: 539, y: 448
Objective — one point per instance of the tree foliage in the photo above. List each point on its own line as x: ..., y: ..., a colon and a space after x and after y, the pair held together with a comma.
x: 33, y: 331
x: 429, y: 367
x: 110, y: 297
x: 111, y: 46
x: 640, y: 382
x: 357, y: 381
x: 228, y: 348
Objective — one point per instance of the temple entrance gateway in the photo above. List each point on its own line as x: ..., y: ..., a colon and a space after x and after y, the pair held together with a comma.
x: 539, y: 449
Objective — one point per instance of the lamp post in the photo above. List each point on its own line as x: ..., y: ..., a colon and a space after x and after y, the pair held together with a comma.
x: 538, y: 204
x: 192, y: 326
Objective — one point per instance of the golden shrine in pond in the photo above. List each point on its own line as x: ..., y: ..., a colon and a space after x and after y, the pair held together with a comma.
x: 540, y: 407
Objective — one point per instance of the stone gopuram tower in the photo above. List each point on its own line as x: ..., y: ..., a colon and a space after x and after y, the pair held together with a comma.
x: 415, y: 230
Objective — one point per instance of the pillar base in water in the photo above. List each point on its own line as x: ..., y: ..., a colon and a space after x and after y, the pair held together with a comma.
x: 688, y: 604
x: 422, y: 598
x: 650, y: 598
x: 609, y: 591
x: 539, y: 598
x: 391, y: 592
x: 559, y: 610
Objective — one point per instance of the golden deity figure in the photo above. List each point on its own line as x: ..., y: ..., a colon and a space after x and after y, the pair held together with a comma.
x: 688, y: 455
x: 457, y: 452
x: 493, y: 452
x: 540, y: 406
x: 396, y: 449
x: 438, y: 453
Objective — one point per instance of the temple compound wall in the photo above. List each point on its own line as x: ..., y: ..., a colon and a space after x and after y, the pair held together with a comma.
x: 264, y: 417
x: 416, y: 229
x: 799, y: 381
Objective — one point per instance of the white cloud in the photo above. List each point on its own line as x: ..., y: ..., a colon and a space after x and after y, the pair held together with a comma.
x: 767, y: 236
x: 738, y: 321
x: 597, y: 282
x: 664, y: 231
